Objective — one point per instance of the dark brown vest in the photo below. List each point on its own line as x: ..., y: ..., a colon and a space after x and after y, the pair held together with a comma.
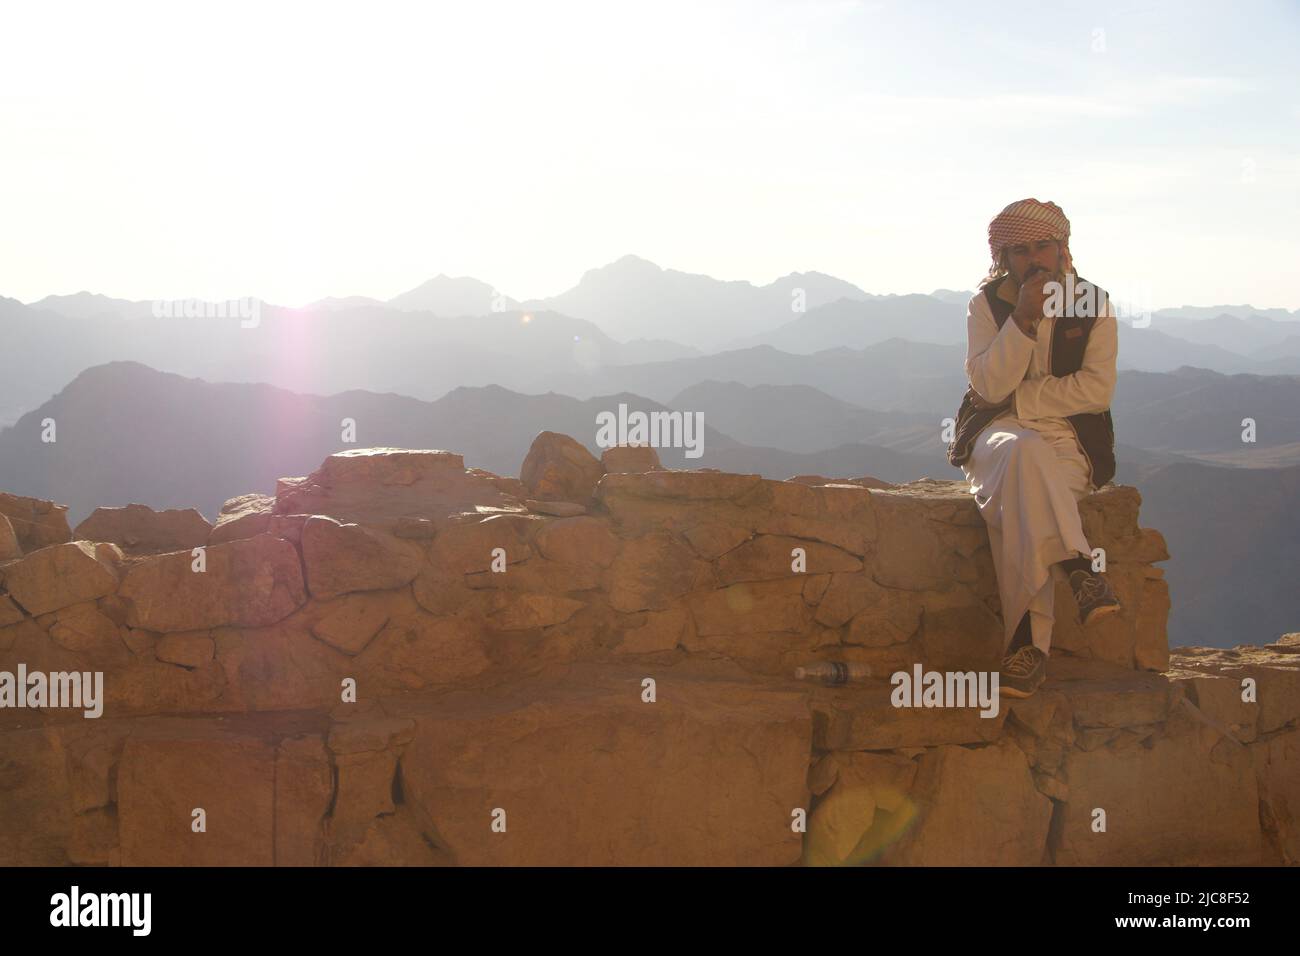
x: 1094, y: 430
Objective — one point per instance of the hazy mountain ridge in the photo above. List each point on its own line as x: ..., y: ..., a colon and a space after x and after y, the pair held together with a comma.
x: 127, y: 433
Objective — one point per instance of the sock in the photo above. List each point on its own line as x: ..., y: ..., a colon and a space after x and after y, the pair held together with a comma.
x: 1076, y: 564
x: 1022, y: 638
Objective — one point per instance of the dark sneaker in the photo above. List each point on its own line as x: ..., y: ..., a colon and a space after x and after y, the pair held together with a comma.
x: 1094, y: 595
x: 1022, y: 672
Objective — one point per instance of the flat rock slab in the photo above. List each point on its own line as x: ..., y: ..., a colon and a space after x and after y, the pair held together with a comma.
x: 379, y: 486
x: 251, y: 582
x: 589, y: 774
x: 138, y: 529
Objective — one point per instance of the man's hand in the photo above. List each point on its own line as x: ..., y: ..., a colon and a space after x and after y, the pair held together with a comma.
x: 1029, y: 307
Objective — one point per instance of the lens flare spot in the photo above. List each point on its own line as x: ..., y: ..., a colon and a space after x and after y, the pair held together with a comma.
x: 855, y: 824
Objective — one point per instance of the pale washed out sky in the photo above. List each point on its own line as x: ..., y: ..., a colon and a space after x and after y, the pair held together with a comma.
x: 292, y: 151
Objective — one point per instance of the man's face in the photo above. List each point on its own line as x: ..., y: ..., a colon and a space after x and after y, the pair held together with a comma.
x: 1044, y: 254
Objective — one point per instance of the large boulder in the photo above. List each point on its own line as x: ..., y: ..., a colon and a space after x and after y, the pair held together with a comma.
x: 37, y: 523
x: 348, y: 557
x: 558, y: 468
x: 61, y: 574
x: 138, y: 529
x: 243, y: 517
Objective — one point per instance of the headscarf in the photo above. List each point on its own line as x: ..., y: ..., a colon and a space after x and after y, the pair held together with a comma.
x: 1029, y: 220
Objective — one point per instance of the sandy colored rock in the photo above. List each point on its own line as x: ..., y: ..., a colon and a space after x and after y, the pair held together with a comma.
x: 138, y: 529
x: 58, y: 575
x: 340, y: 558
x: 249, y: 583
x: 349, y: 622
x: 847, y: 595
x: 708, y: 757
x: 469, y: 542
x: 82, y: 629
x: 365, y: 754
x: 712, y: 539
x: 558, y: 468
x: 698, y: 485
x: 172, y: 767
x: 304, y: 786
x: 951, y: 637
x: 661, y: 631
x: 561, y: 509
x: 1219, y: 697
x: 538, y: 575
x: 522, y: 688
x: 36, y: 523
x: 770, y: 556
x: 751, y: 607
x: 519, y: 611
x: 1274, y: 669
x: 1277, y: 771
x: 185, y: 650
x: 417, y: 650
x: 10, y: 613
x: 1174, y: 803
x: 379, y: 486
x: 415, y: 529
x: 915, y: 561
x: 843, y: 516
x: 866, y: 481
x: 653, y: 571
x: 862, y: 717
x: 277, y: 667
x: 35, y: 798
x: 9, y: 546
x: 974, y: 807
x: 630, y: 459
x: 578, y: 540
x: 242, y: 517
x: 1150, y: 641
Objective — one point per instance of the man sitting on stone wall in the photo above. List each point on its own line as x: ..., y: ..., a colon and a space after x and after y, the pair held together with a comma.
x: 1034, y: 434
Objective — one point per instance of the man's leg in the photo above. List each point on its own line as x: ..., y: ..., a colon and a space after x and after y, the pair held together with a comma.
x: 1027, y: 488
x: 1023, y: 636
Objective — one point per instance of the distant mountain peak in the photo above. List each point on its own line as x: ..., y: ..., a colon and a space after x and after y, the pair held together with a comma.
x: 631, y: 259
x: 452, y: 296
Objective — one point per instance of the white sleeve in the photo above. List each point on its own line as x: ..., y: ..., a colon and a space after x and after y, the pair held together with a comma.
x: 1088, y: 390
x: 996, y: 359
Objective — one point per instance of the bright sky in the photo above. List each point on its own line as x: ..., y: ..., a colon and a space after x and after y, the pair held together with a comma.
x: 292, y: 151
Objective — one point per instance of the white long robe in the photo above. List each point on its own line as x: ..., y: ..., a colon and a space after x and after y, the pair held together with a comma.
x: 1027, y: 471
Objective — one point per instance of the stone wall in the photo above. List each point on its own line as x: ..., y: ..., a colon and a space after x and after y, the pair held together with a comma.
x: 592, y: 664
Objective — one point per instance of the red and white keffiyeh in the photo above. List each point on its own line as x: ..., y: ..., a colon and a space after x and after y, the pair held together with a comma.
x: 1027, y: 221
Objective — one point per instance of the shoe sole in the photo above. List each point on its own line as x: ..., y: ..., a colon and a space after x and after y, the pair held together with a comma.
x: 1016, y: 692
x: 1010, y: 691
x: 1106, y: 610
